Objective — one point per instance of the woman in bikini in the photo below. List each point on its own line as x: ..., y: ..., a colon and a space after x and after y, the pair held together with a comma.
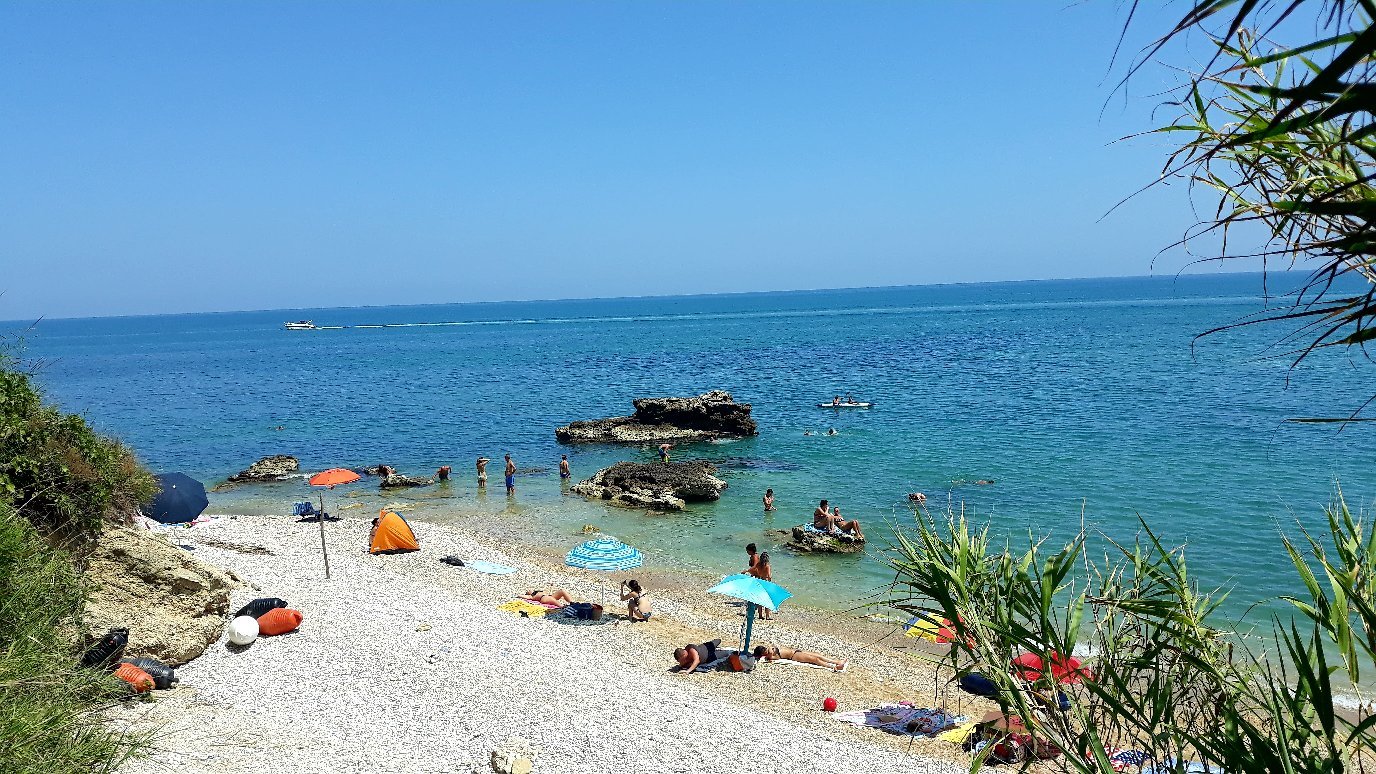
x: 801, y: 656
x: 548, y: 597
x: 761, y: 570
x: 769, y: 499
x: 638, y: 606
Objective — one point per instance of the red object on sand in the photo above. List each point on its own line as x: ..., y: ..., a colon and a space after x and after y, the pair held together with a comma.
x: 1031, y: 667
x: 138, y: 680
x: 829, y: 704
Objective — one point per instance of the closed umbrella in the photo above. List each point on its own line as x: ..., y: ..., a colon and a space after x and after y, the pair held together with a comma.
x: 604, y: 553
x: 180, y: 499
x: 755, y: 592
x: 329, y: 479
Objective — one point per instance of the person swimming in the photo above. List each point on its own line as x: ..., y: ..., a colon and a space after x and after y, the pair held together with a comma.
x: 832, y: 431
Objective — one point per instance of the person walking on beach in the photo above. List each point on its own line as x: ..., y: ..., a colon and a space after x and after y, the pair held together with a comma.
x: 637, y: 601
x: 664, y: 451
x: 510, y: 475
x: 564, y: 472
x: 750, y: 557
x: 482, y: 472
x: 769, y: 499
x: 761, y: 570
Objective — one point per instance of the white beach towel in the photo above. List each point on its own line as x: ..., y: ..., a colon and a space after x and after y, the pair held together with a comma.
x: 490, y: 568
x: 790, y: 662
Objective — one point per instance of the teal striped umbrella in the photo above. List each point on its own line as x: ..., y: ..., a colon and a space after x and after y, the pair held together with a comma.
x: 605, y: 554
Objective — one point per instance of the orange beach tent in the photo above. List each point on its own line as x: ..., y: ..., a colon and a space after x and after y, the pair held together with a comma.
x: 392, y: 535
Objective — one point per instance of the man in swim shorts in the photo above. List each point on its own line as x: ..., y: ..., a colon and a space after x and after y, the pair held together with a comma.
x: 690, y: 657
x: 821, y: 517
x: 664, y: 451
x: 564, y: 472
x: 482, y: 472
x: 510, y: 475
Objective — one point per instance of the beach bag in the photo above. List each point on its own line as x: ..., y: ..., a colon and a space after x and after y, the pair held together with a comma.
x: 258, y: 607
x: 105, y: 653
x: 740, y: 662
x: 279, y: 621
x: 978, y: 684
x: 163, y: 675
x: 580, y: 610
x: 139, y: 681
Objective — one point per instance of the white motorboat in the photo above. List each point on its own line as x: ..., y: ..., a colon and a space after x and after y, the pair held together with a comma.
x: 300, y: 325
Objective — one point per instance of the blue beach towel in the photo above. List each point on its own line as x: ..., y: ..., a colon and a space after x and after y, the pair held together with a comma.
x: 490, y: 568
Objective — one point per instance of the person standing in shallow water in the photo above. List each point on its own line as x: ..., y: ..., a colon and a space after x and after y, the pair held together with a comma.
x: 510, y: 475
x: 482, y: 472
x: 664, y: 451
x: 769, y: 499
x: 564, y: 473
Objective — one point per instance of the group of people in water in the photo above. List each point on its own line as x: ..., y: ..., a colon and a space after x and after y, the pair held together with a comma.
x: 510, y: 472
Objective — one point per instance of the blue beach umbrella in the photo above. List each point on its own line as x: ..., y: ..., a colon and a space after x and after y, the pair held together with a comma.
x: 604, y: 553
x: 755, y: 592
x: 181, y: 499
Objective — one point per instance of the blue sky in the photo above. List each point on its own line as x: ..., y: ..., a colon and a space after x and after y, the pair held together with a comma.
x: 170, y: 157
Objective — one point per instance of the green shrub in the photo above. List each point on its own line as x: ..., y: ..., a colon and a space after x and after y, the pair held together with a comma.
x: 48, y: 708
x: 1163, y: 678
x: 63, y: 475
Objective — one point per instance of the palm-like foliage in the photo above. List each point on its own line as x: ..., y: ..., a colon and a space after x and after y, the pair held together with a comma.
x: 1284, y: 139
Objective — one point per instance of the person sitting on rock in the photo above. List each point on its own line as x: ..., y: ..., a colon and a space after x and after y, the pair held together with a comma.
x: 690, y: 657
x: 839, y: 522
x: 638, y: 606
x: 801, y: 656
x: 557, y: 597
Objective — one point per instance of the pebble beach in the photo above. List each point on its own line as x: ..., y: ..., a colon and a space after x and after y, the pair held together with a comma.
x: 406, y: 664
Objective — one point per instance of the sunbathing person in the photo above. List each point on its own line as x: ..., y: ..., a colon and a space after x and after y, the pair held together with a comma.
x: 690, y: 657
x: 548, y: 597
x: 801, y: 656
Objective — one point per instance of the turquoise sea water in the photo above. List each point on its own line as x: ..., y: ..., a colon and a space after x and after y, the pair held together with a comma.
x: 1071, y: 395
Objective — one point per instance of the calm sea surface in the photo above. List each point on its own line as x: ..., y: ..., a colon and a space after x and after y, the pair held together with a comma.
x: 1072, y: 396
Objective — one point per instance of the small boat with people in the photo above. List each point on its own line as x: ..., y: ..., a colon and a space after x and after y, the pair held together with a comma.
x: 849, y: 402
x: 300, y: 325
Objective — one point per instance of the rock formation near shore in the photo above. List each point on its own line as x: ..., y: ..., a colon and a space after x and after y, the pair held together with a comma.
x: 398, y: 481
x: 278, y: 467
x: 656, y: 486
x: 806, y: 541
x: 174, y: 605
x: 710, y: 415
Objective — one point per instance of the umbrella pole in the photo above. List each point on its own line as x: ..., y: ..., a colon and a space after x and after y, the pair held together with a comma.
x: 749, y: 624
x: 323, y: 549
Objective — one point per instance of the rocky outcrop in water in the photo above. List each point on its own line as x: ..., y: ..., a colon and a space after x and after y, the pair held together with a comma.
x: 656, y: 486
x: 807, y: 541
x: 399, y: 481
x: 278, y: 467
x: 174, y: 605
x: 657, y: 420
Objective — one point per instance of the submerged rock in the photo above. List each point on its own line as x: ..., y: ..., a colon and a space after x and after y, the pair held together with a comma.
x: 809, y: 541
x: 278, y: 467
x: 710, y: 415
x: 174, y: 605
x: 657, y: 486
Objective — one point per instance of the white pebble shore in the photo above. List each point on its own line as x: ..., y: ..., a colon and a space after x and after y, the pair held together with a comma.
x: 404, y: 664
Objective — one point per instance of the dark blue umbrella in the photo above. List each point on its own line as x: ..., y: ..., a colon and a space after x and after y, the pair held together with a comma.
x: 182, y: 499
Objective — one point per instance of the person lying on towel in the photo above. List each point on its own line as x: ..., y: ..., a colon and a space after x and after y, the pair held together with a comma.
x: 548, y: 597
x: 801, y: 656
x: 690, y: 657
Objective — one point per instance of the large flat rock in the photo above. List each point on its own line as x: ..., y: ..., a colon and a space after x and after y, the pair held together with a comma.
x: 657, y: 420
x: 659, y: 486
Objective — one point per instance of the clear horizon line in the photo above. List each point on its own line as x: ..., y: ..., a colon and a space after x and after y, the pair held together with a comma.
x: 1176, y: 275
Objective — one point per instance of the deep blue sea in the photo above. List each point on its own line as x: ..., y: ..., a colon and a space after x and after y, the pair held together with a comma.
x: 1075, y: 397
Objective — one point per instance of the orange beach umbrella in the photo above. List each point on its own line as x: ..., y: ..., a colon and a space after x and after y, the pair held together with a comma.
x: 330, y: 479
x: 333, y: 477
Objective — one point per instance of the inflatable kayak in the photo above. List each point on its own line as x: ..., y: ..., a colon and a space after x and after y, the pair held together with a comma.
x: 844, y: 405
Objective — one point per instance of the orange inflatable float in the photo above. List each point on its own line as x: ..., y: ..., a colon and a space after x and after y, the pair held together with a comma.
x: 279, y: 621
x: 139, y: 680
